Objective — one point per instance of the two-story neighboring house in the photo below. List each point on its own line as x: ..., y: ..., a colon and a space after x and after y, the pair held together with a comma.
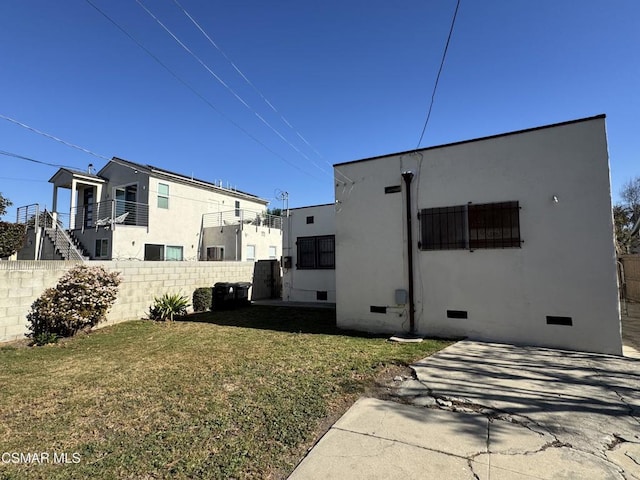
x: 130, y: 211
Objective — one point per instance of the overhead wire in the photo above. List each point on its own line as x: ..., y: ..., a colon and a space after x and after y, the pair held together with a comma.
x: 435, y: 86
x: 198, y: 94
x: 227, y: 87
x: 48, y: 135
x: 21, y: 157
x: 252, y: 85
x: 52, y: 137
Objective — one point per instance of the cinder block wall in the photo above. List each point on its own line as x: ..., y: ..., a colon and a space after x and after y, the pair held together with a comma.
x: 22, y: 282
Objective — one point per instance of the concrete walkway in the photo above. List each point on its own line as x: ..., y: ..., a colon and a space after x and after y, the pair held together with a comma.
x: 491, y: 411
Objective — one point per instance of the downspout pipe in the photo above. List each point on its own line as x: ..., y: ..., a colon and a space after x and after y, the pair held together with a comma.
x: 408, y: 176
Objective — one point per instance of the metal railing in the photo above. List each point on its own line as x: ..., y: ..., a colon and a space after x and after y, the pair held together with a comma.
x: 61, y: 239
x: 110, y: 213
x: 241, y: 217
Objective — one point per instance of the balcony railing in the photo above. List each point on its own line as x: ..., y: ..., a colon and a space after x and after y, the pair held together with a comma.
x: 241, y: 217
x: 110, y: 213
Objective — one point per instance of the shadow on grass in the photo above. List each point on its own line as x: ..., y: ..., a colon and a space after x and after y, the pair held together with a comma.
x: 281, y: 319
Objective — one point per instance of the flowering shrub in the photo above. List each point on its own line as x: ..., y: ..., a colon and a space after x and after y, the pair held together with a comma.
x: 80, y: 300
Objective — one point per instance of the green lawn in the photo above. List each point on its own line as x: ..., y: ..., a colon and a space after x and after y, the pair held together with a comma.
x: 239, y: 394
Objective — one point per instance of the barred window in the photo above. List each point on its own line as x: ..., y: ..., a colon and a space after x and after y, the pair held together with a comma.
x: 473, y: 226
x: 316, y: 252
x: 494, y: 225
x: 444, y: 228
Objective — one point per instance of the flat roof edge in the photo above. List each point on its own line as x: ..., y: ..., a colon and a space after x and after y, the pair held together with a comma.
x: 479, y: 139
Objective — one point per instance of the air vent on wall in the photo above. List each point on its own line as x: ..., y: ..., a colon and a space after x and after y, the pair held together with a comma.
x: 457, y: 314
x: 375, y: 309
x: 552, y: 320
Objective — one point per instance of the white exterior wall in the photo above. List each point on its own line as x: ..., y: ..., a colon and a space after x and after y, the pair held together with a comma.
x: 302, y: 285
x: 237, y: 237
x: 565, y: 267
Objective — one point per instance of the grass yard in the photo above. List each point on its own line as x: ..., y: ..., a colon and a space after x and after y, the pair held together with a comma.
x: 238, y: 394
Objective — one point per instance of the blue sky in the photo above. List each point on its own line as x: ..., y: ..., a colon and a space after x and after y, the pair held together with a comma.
x: 353, y: 78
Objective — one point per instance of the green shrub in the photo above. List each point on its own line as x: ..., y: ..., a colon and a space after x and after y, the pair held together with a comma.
x: 12, y: 238
x: 167, y: 306
x: 79, y: 301
x: 202, y: 299
x: 45, y: 338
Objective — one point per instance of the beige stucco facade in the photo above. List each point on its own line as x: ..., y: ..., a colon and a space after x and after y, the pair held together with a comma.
x: 564, y: 267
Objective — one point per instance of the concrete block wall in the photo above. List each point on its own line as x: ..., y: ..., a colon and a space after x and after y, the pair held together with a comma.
x: 22, y: 282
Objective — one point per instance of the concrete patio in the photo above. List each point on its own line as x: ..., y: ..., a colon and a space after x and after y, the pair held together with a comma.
x: 480, y: 410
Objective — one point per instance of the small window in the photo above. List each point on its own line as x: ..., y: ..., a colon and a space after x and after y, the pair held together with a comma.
x: 174, y: 253
x: 316, y: 252
x: 163, y: 195
x: 273, y: 252
x: 237, y: 208
x: 102, y: 248
x: 215, y: 254
x: 251, y: 253
x: 443, y: 228
x: 310, y: 219
x: 153, y: 253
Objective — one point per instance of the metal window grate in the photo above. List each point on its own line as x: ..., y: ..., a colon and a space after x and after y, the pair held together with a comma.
x: 494, y: 225
x: 473, y: 226
x: 316, y: 252
x: 443, y: 228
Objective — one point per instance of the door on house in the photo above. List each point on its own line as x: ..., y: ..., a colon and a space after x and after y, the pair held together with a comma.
x: 126, y: 203
x: 87, y: 197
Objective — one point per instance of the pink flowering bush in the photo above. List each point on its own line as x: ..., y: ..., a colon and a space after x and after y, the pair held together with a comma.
x: 80, y: 300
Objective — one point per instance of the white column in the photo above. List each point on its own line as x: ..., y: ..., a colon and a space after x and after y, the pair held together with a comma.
x: 55, y: 203
x: 74, y: 199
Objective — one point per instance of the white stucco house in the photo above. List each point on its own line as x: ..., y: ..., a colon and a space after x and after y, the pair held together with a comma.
x: 507, y: 238
x: 130, y: 211
x: 309, y: 255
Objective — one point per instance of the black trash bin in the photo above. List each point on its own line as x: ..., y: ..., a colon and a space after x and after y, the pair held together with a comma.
x: 230, y: 295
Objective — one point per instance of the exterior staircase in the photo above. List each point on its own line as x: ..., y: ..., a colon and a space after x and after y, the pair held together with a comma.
x: 65, y: 243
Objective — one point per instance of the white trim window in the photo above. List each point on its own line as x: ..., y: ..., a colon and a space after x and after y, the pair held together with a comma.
x: 173, y: 253
x: 251, y: 253
x: 163, y: 195
x: 273, y: 252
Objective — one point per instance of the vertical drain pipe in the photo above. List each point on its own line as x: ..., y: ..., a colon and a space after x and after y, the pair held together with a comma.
x: 408, y: 176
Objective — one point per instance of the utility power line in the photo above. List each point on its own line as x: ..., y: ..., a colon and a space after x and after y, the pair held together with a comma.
x: 198, y: 94
x: 252, y: 85
x: 21, y: 157
x: 226, y: 86
x: 72, y: 145
x: 435, y: 86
